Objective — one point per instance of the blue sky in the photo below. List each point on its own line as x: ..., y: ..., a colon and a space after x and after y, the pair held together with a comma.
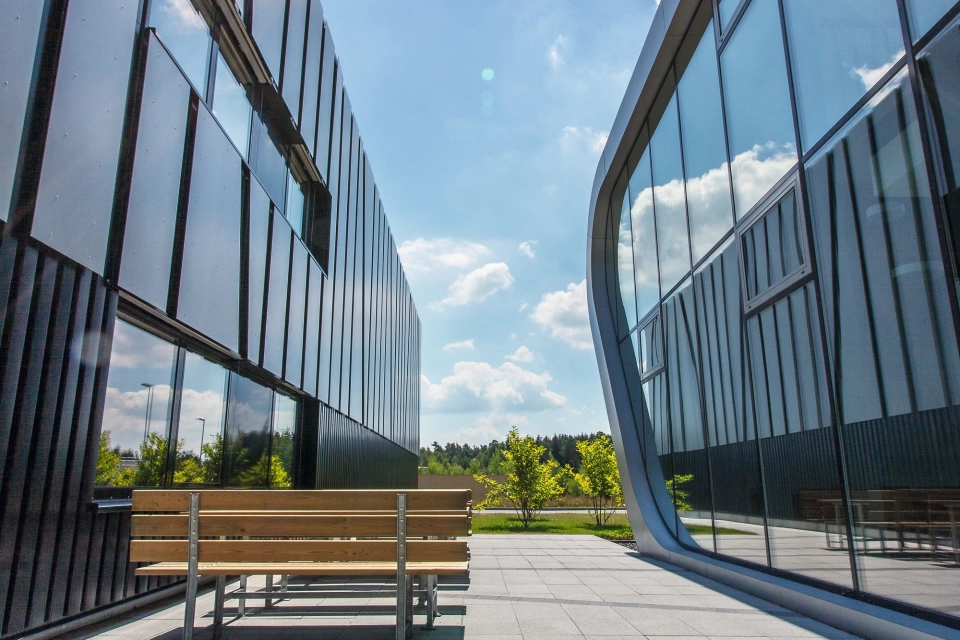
x: 485, y: 178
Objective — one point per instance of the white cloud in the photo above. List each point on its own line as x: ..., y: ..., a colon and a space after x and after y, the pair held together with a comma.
x: 478, y: 285
x: 575, y: 138
x: 522, y: 354
x: 526, y: 248
x: 479, y: 386
x: 870, y: 76
x: 758, y: 169
x: 422, y: 255
x: 185, y: 14
x: 564, y: 314
x: 523, y: 305
x: 553, y: 53
x: 465, y: 345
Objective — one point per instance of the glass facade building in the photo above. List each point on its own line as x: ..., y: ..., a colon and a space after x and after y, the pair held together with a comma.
x: 198, y: 282
x: 773, y: 274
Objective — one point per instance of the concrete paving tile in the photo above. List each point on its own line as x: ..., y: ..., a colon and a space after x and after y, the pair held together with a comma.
x: 544, y: 618
x: 600, y: 621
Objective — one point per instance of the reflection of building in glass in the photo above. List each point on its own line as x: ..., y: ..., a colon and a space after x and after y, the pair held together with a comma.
x: 198, y: 283
x: 773, y: 284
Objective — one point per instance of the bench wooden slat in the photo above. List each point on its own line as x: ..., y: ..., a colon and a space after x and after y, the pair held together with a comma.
x: 306, y: 568
x: 295, y: 525
x: 323, y: 500
x: 299, y: 550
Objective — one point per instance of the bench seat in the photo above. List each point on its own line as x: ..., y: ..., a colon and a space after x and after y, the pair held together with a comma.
x: 351, y: 568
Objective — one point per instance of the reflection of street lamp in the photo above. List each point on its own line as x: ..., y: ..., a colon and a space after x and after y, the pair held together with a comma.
x: 146, y: 418
x: 203, y: 426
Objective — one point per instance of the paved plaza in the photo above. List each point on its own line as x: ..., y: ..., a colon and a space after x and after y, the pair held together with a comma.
x: 528, y: 587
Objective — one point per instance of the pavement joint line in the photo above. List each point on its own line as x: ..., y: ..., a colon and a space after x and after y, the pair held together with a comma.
x: 636, y: 605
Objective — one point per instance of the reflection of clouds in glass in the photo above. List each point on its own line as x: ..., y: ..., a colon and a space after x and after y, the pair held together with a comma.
x: 135, y: 349
x: 672, y: 232
x: 708, y: 200
x: 184, y: 14
x: 644, y: 247
x: 125, y: 411
x: 758, y: 169
x: 284, y: 414
x: 869, y: 76
x: 625, y: 265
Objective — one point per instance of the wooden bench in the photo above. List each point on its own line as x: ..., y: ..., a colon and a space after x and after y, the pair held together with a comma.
x: 371, y: 533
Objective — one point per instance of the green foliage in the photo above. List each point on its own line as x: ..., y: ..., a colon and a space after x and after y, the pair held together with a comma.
x: 487, y: 459
x: 530, y: 483
x: 151, y: 469
x: 267, y: 471
x: 680, y: 496
x: 108, y: 462
x: 599, y: 477
x: 618, y: 528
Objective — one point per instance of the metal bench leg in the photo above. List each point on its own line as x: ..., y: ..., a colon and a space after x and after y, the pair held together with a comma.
x: 193, y: 543
x: 242, y: 602
x: 268, y: 602
x: 403, y: 601
x: 431, y: 587
x: 218, y: 607
x: 408, y: 623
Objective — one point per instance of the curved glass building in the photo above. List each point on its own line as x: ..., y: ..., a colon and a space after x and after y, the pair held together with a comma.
x: 773, y: 271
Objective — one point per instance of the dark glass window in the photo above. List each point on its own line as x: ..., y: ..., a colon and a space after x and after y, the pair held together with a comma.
x: 75, y: 195
x: 772, y: 247
x: 312, y: 338
x: 923, y: 14
x: 673, y: 241
x: 939, y: 67
x: 891, y: 333
x: 203, y: 404
x: 295, y: 203
x: 185, y: 33
x: 838, y: 52
x: 137, y: 409
x: 328, y: 96
x: 646, y: 271
x: 276, y: 329
x: 257, y: 274
x: 628, y: 292
x: 297, y: 309
x: 155, y: 185
x: 651, y: 345
x: 293, y: 59
x: 267, y: 28
x: 231, y: 107
x: 281, y: 447
x: 210, y: 276
x: 311, y: 77
x: 704, y: 149
x: 20, y: 22
x: 248, y: 434
x: 655, y: 397
x: 757, y: 100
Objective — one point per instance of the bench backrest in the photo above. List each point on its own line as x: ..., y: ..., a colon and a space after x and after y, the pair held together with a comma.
x: 298, y: 525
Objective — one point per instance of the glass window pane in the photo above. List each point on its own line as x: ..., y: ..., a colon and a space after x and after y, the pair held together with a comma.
x: 248, y: 433
x: 297, y: 312
x: 268, y: 21
x: 670, y: 205
x: 258, y: 236
x: 203, y: 404
x: 838, y: 52
x: 651, y: 345
x: 293, y: 59
x: 210, y: 277
x: 655, y: 399
x: 923, y: 14
x: 231, y: 107
x: 20, y: 22
x: 704, y: 149
x: 276, y: 329
x: 940, y: 67
x: 773, y: 247
x: 628, y: 292
x: 185, y: 33
x: 757, y: 100
x: 727, y: 8
x: 312, y: 338
x: 155, y: 185
x: 646, y: 271
x: 84, y: 135
x: 295, y: 203
x: 281, y: 457
x: 268, y: 163
x: 311, y: 77
x: 328, y: 96
x: 136, y: 413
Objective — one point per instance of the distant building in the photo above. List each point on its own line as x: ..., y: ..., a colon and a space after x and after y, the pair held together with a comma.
x: 198, y: 283
x: 773, y: 269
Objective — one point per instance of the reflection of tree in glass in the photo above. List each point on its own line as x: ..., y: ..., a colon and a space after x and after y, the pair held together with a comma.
x: 283, y: 452
x: 151, y: 467
x: 108, y: 462
x: 680, y: 496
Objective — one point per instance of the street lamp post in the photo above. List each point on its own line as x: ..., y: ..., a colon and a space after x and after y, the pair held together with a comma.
x: 203, y: 427
x: 146, y: 418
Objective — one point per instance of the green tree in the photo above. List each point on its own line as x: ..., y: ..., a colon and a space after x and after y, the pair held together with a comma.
x: 680, y: 496
x: 108, y: 462
x: 530, y: 483
x: 267, y: 471
x: 151, y: 469
x: 599, y: 477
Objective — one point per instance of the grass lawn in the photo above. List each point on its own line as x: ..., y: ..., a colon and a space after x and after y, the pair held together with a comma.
x: 617, y: 527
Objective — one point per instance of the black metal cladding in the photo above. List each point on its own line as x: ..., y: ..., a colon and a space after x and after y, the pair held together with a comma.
x: 124, y: 186
x: 811, y: 375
